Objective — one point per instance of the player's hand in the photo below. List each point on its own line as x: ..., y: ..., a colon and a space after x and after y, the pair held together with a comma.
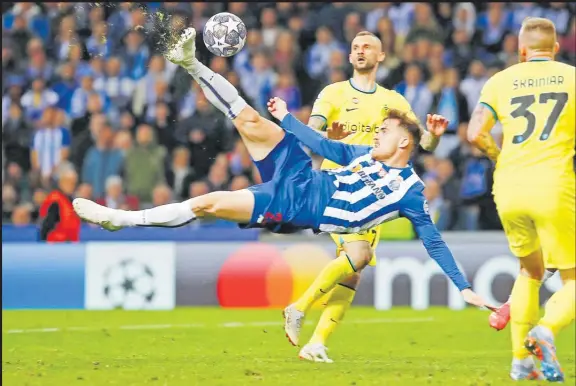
x: 337, y: 131
x: 278, y: 108
x: 436, y: 124
x: 474, y: 299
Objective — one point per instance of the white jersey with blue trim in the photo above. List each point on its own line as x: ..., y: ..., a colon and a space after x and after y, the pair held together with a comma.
x: 367, y: 193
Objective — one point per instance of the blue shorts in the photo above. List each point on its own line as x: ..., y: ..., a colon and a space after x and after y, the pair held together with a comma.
x: 282, y: 203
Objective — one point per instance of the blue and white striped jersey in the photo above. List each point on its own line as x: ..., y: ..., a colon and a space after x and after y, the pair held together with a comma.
x: 368, y: 193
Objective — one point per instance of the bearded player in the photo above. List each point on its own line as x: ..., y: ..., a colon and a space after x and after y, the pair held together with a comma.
x: 350, y: 111
x: 534, y: 188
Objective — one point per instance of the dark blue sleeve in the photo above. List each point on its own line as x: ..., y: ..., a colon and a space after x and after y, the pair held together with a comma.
x: 415, y: 208
x: 338, y: 152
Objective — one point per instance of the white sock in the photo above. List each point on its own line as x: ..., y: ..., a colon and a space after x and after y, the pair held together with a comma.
x: 169, y: 216
x: 218, y: 90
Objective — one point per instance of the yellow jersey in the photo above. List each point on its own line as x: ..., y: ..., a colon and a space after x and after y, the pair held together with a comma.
x: 361, y: 112
x: 535, y: 102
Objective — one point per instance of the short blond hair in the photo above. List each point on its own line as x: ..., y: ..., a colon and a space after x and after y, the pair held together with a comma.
x: 538, y: 33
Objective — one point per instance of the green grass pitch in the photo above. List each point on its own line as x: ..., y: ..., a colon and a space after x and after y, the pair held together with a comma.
x: 209, y: 346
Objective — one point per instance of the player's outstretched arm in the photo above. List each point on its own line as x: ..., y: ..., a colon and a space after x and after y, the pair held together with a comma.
x: 416, y: 210
x: 338, y: 152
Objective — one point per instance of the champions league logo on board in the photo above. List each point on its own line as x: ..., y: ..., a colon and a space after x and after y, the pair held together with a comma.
x: 129, y: 284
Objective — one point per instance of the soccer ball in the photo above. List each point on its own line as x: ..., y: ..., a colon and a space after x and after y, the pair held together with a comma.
x: 224, y: 34
x: 129, y: 285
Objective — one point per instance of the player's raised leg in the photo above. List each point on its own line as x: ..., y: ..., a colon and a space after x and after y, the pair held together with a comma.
x: 233, y: 206
x: 260, y: 135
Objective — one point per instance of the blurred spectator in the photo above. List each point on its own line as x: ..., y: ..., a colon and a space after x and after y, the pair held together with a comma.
x: 374, y: 17
x: 270, y: 28
x: 465, y: 19
x: 118, y: 88
x: 318, y: 58
x: 66, y: 38
x: 101, y: 161
x: 97, y: 44
x: 84, y: 190
x: 163, y: 125
x: 50, y: 146
x: 240, y: 162
x: 416, y: 92
x: 123, y: 141
x: 9, y: 201
x: 204, y: 134
x: 241, y: 10
x: 494, y: 24
x: 560, y: 16
x: 19, y: 181
x: 259, y: 81
x: 144, y: 164
x: 38, y: 65
x: 180, y: 175
x: 425, y: 25
x: 21, y: 215
x: 199, y: 188
x: 119, y: 22
x: 38, y: 99
x: 287, y: 54
x: 81, y: 97
x: 76, y: 58
x: 145, y: 91
x: 478, y: 208
x: 59, y: 221
x: 433, y: 194
x: 239, y: 183
x: 161, y: 195
x: 115, y: 198
x: 450, y: 102
x: 16, y: 137
x: 161, y: 94
x: 127, y: 122
x: 65, y: 87
x: 523, y: 10
x: 287, y: 89
x: 509, y: 50
x: 135, y: 56
x: 20, y: 35
x: 471, y: 86
x: 217, y: 178
x: 85, y: 139
x: 37, y: 199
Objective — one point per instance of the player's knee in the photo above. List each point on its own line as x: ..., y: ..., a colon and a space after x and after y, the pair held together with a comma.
x: 247, y: 118
x: 359, y: 253
x: 351, y: 281
x: 209, y: 204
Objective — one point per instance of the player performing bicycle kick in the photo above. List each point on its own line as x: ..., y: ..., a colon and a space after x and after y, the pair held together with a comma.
x: 375, y: 185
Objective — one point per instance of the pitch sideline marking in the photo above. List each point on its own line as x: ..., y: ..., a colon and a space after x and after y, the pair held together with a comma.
x: 202, y: 325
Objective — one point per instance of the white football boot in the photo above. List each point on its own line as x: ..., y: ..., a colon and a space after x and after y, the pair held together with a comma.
x: 293, y: 321
x: 183, y: 52
x: 96, y: 214
x: 315, y: 352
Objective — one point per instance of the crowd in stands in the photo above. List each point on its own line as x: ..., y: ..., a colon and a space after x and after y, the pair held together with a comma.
x: 85, y: 86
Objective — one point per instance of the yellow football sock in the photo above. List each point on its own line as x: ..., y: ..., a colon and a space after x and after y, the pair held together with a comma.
x: 524, y: 309
x: 336, y: 271
x: 339, y: 302
x: 560, y: 308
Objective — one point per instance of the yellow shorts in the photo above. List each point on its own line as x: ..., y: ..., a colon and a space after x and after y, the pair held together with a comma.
x: 372, y: 236
x: 544, y: 218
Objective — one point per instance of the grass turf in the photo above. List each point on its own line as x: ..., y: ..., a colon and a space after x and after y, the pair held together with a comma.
x: 208, y: 346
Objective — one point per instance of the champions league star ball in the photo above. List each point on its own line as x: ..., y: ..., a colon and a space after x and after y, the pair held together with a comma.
x: 224, y: 34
